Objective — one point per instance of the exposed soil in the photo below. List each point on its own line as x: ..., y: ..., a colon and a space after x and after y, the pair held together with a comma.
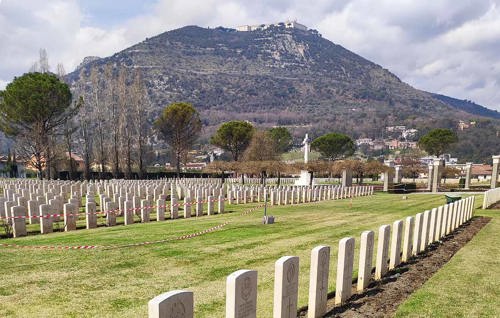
x: 495, y: 206
x: 382, y: 298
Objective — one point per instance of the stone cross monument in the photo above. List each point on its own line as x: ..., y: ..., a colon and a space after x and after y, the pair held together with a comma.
x: 305, y: 177
x: 307, y: 148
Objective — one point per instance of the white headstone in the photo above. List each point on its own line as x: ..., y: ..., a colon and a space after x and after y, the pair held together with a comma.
x: 286, y: 287
x: 382, y: 251
x: 365, y: 259
x: 241, y: 294
x: 318, y: 281
x: 174, y: 304
x: 345, y: 263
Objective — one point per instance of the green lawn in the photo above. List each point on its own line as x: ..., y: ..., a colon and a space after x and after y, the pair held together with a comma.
x: 468, y: 285
x: 120, y: 282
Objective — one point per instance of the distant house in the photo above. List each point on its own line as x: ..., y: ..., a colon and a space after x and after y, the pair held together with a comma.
x: 408, y: 145
x: 392, y: 144
x: 258, y: 27
x: 364, y: 141
x: 378, y: 144
x: 462, y: 125
x: 194, y: 166
x: 447, y: 159
x: 395, y: 128
x: 409, y: 133
x: 79, y: 163
x: 482, y: 172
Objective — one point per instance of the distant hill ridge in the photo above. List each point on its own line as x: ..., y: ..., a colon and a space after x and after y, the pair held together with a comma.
x: 279, y: 76
x: 468, y: 106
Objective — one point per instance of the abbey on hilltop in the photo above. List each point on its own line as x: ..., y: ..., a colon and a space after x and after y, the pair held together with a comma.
x: 288, y: 24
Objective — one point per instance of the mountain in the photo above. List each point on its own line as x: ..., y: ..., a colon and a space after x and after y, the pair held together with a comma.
x: 277, y: 76
x: 468, y: 106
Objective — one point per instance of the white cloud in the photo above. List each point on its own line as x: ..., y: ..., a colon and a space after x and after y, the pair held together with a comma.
x: 442, y: 46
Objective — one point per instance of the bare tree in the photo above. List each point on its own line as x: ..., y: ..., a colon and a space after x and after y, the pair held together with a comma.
x: 43, y: 62
x: 140, y: 100
x: 126, y: 122
x: 113, y: 108
x: 85, y: 129
x: 69, y: 130
x: 61, y: 72
x: 100, y: 131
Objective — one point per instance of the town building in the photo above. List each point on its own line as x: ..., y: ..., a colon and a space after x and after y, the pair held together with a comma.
x: 259, y: 27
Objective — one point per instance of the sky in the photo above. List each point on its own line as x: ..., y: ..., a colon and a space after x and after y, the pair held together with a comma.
x: 444, y: 46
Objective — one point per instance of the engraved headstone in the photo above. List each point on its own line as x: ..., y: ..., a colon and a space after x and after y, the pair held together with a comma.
x: 128, y: 212
x: 425, y: 230
x: 395, y: 257
x: 18, y: 213
x: 111, y: 213
x: 417, y: 233
x: 318, y: 281
x: 286, y: 287
x: 90, y: 215
x: 145, y: 211
x: 345, y: 263
x: 382, y: 251
x: 45, y: 219
x: 241, y: 294
x: 365, y: 259
x: 174, y: 304
x: 160, y: 209
x: 70, y: 217
x: 174, y: 208
x: 408, y: 238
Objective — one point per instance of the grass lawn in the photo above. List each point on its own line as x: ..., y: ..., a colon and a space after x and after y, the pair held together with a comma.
x: 468, y: 285
x: 120, y: 282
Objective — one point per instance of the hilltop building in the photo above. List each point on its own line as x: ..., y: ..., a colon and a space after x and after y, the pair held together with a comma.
x: 462, y: 125
x: 259, y: 27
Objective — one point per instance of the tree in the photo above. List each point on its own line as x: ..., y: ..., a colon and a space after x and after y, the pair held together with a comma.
x: 179, y: 125
x: 42, y: 65
x: 115, y: 99
x: 126, y: 122
x: 334, y: 146
x: 438, y: 141
x: 69, y: 131
x: 412, y: 166
x: 97, y: 111
x: 262, y: 147
x: 373, y: 168
x: 140, y: 99
x: 32, y: 107
x: 233, y: 136
x: 282, y: 138
x: 450, y: 172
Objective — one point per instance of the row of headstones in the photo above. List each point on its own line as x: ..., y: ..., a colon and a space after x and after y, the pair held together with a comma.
x: 47, y: 213
x: 312, y: 194
x: 62, y: 191
x: 491, y: 197
x: 241, y: 286
x: 31, y: 206
x: 128, y: 205
x: 148, y: 190
x: 65, y: 189
x: 259, y: 180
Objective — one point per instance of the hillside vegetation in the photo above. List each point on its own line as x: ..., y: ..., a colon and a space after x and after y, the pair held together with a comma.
x: 281, y: 77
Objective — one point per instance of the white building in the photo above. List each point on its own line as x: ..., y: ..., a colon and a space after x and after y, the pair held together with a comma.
x: 364, y: 141
x: 287, y: 24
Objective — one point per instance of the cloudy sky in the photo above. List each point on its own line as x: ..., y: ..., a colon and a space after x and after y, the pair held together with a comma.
x: 446, y: 46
